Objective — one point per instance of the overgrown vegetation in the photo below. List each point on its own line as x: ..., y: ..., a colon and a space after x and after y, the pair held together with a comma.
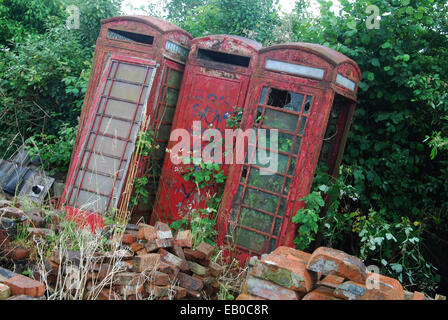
x: 393, y: 210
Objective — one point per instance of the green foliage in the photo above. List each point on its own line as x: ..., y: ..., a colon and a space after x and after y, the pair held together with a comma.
x: 253, y: 19
x: 44, y: 69
x: 204, y: 174
x: 308, y: 218
x: 54, y: 150
x: 234, y: 119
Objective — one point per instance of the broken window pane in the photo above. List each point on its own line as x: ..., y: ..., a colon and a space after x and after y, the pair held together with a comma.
x: 280, y: 120
x: 255, y: 220
x: 260, y: 200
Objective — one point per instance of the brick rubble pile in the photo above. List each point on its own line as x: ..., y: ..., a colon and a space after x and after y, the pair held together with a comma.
x: 327, y: 274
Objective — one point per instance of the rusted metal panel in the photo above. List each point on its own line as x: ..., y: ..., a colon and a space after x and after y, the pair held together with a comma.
x: 256, y: 210
x: 139, y: 37
x: 215, y: 81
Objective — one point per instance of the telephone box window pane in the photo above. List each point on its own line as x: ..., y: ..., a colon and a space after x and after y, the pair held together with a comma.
x: 287, y: 184
x: 244, y: 174
x: 259, y: 199
x: 292, y: 166
x: 282, y: 207
x: 297, y: 146
x: 280, y: 120
x: 171, y: 97
x: 129, y: 36
x: 271, y: 182
x: 285, y: 99
x: 175, y: 78
x: 272, y: 245
x: 285, y: 141
x: 307, y: 107
x: 278, y: 223
x: 167, y: 114
x: 249, y: 239
x: 255, y: 220
x: 282, y: 161
x: 131, y: 73
x: 126, y: 91
x: 263, y: 95
x: 302, y: 125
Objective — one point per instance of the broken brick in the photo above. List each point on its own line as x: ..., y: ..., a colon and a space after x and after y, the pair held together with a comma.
x: 171, y: 258
x: 39, y: 232
x: 387, y: 289
x: 189, y: 282
x: 269, y: 290
x: 159, y: 278
x: 205, y: 250
x: 128, y: 239
x: 245, y: 296
x: 179, y: 292
x: 5, y: 291
x: 196, y: 256
x: 418, y: 296
x: 330, y: 261
x: 128, y: 278
x: 135, y: 246
x: 24, y: 285
x: 331, y: 281
x: 285, y: 270
x: 128, y: 290
x: 198, y: 269
x: 157, y: 291
x: 215, y: 269
x: 146, y: 232
x: 321, y: 293
x: 146, y: 262
x: 195, y: 295
x: 184, y: 239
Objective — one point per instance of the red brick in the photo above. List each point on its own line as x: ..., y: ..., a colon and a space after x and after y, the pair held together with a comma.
x: 157, y: 244
x: 193, y: 295
x: 13, y: 213
x: 205, y: 250
x: 331, y: 281
x: 141, y: 252
x: 128, y: 239
x: 184, y: 239
x: 330, y: 261
x: 390, y: 288
x: 146, y: 262
x: 24, y: 285
x: 269, y: 290
x: 39, y: 232
x: 215, y: 269
x: 286, y: 270
x: 158, y: 278
x: 128, y: 290
x: 157, y: 291
x: 135, y: 246
x: 128, y: 278
x: 146, y: 232
x: 196, y: 256
x: 321, y: 293
x: 245, y: 296
x: 5, y: 291
x: 171, y: 258
x: 387, y: 290
x: 189, y: 282
x: 179, y: 292
x: 418, y: 296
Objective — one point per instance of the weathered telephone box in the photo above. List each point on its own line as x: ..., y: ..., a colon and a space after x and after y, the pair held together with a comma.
x: 215, y: 82
x: 134, y: 84
x: 308, y: 93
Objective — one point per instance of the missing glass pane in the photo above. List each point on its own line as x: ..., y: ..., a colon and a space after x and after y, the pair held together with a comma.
x: 129, y: 36
x: 227, y: 58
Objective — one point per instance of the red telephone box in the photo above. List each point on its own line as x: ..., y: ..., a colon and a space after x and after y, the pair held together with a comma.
x: 136, y: 71
x: 307, y: 92
x: 216, y: 78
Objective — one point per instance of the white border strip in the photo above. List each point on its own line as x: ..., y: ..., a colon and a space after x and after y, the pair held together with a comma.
x: 296, y: 69
x: 345, y: 82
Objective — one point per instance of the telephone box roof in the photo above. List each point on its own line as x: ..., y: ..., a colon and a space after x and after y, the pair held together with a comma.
x: 156, y: 23
x: 332, y: 56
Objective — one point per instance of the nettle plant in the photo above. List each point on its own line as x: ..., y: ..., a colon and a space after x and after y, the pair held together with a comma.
x: 203, y: 174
